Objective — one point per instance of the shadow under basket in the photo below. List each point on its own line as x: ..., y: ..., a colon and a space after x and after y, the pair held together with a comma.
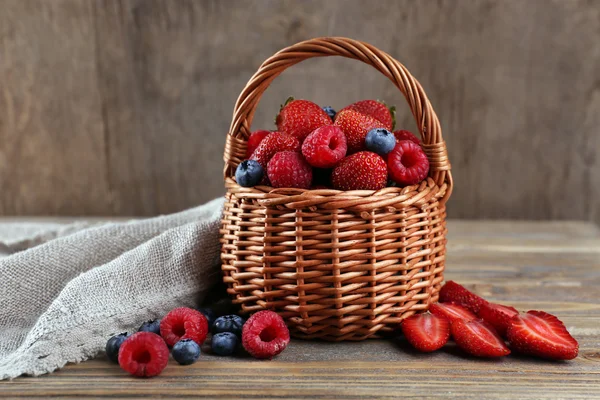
x: 336, y: 265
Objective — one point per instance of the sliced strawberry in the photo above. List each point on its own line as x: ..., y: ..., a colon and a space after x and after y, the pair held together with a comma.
x: 452, y: 292
x: 426, y: 332
x: 540, y: 334
x: 497, y: 315
x: 478, y: 338
x: 451, y: 312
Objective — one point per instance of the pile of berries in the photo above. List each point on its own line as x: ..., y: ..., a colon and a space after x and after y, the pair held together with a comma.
x: 313, y: 147
x: 480, y: 328
x: 184, y: 330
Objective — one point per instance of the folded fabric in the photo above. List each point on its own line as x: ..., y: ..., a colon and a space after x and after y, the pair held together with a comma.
x: 64, y: 290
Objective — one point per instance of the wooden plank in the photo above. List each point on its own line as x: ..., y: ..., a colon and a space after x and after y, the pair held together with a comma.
x: 120, y: 107
x: 564, y: 282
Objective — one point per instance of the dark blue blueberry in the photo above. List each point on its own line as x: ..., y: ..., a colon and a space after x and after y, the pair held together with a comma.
x: 186, y: 351
x: 113, y: 345
x: 330, y: 111
x: 151, y: 326
x: 209, y: 314
x: 224, y: 343
x: 249, y: 173
x: 228, y: 323
x: 380, y: 141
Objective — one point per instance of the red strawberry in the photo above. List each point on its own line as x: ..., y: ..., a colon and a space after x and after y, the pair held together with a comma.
x: 540, y: 334
x: 451, y: 312
x: 300, y: 117
x: 288, y: 169
x: 254, y: 140
x: 377, y: 110
x: 362, y: 170
x: 497, y: 315
x: 452, y: 292
x: 426, y: 332
x: 478, y: 338
x: 408, y: 164
x: 272, y: 144
x: 356, y: 126
x: 406, y: 135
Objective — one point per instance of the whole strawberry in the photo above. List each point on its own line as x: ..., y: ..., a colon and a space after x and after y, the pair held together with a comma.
x: 362, y: 170
x: 356, y: 126
x: 299, y: 118
x: 254, y: 140
x: 377, y: 110
x: 288, y: 169
x: 272, y: 144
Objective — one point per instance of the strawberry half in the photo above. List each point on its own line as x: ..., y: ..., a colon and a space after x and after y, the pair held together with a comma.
x: 497, y: 315
x: 377, y: 110
x: 540, y: 334
x: 452, y: 292
x: 299, y: 118
x: 426, y: 332
x: 355, y: 126
x: 478, y: 338
x: 452, y: 312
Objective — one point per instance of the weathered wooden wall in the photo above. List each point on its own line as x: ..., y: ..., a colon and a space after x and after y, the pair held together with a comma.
x: 121, y: 107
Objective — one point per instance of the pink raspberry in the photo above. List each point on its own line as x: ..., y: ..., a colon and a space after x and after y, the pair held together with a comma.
x: 265, y: 334
x: 325, y: 146
x: 144, y: 354
x: 288, y: 169
x: 184, y: 323
x: 407, y: 163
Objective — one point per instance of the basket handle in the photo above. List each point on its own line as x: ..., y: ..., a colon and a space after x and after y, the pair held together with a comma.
x: 426, y: 119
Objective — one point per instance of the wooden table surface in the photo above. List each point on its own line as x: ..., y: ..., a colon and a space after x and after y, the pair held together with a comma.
x: 553, y: 266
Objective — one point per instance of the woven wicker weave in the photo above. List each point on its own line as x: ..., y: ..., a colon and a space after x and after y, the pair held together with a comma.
x: 336, y: 265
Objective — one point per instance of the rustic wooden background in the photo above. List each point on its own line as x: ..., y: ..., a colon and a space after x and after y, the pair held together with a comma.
x: 120, y: 107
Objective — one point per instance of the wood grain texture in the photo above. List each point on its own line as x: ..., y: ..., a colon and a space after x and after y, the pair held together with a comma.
x: 120, y: 107
x: 507, y: 262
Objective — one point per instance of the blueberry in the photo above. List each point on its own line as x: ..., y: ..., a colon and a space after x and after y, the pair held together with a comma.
x: 249, y: 173
x: 228, y: 323
x: 380, y: 141
x: 186, y: 351
x: 224, y: 343
x: 151, y: 326
x: 209, y: 314
x: 330, y: 111
x: 113, y: 345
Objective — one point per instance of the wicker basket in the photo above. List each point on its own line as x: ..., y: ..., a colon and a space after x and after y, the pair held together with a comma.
x: 336, y: 265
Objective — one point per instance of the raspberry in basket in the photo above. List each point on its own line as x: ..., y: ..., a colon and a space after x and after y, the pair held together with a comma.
x: 184, y: 323
x: 265, y: 334
x: 377, y: 110
x: 325, y: 147
x: 288, y: 169
x: 144, y: 354
x: 407, y: 163
x: 406, y: 135
x: 356, y: 126
x: 300, y: 117
x: 362, y: 170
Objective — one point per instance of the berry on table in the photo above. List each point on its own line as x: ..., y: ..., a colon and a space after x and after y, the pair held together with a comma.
x: 540, y: 334
x: 273, y: 144
x: 299, y: 118
x: 452, y: 312
x: 113, y: 344
x: 380, y: 141
x: 407, y: 163
x: 330, y: 111
x: 377, y: 110
x: 406, y: 135
x: 254, y: 140
x: 426, y: 332
x: 362, y: 170
x: 228, y: 323
x: 144, y: 354
x: 325, y: 147
x: 184, y: 323
x: 478, y: 338
x: 497, y: 315
x: 288, y: 169
x: 249, y: 173
x: 224, y: 343
x: 356, y: 126
x: 209, y: 314
x: 452, y: 292
x: 265, y: 334
x: 151, y: 326
x: 186, y: 351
